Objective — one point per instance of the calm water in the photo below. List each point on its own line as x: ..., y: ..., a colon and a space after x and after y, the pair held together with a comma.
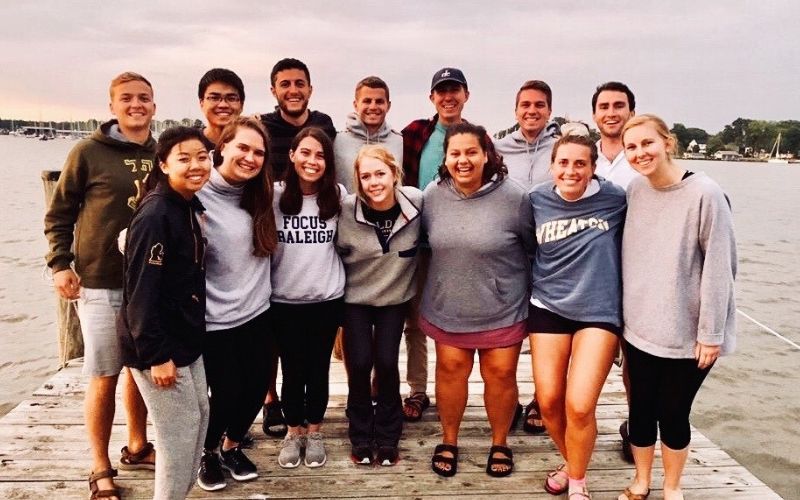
x: 764, y: 198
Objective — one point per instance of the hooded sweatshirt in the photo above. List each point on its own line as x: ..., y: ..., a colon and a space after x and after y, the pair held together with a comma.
x: 93, y: 201
x: 237, y: 282
x: 480, y: 246
x: 353, y: 138
x: 282, y: 132
x: 528, y: 162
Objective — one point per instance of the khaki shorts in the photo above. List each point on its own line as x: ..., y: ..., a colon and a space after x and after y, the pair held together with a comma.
x: 97, y: 311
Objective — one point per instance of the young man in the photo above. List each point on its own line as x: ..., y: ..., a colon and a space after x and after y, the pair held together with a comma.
x: 291, y: 86
x: 423, y: 152
x: 367, y: 125
x: 93, y: 201
x: 613, y: 104
x: 221, y: 94
x: 526, y: 151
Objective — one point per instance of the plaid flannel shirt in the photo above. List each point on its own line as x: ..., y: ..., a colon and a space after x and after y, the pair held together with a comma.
x: 415, y: 135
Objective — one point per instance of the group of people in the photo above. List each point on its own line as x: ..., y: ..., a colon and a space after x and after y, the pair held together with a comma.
x: 258, y: 238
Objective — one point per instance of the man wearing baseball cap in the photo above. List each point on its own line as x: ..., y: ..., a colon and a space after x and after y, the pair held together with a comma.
x: 423, y: 152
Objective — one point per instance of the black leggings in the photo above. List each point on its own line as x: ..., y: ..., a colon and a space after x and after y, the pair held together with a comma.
x: 372, y: 338
x: 305, y: 334
x: 237, y: 377
x: 661, y: 393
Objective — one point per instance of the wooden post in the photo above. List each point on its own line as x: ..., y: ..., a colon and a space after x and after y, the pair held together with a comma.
x: 70, y: 340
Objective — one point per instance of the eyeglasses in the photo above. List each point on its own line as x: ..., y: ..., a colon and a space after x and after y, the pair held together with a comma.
x: 217, y: 98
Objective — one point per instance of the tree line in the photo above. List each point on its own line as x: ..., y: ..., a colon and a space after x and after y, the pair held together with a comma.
x: 751, y: 138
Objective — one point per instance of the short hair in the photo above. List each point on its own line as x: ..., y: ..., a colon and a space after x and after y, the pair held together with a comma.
x: 494, y: 163
x: 658, y: 124
x: 372, y: 82
x: 616, y: 87
x: 379, y: 153
x: 128, y: 76
x: 581, y: 140
x: 220, y: 75
x: 536, y: 85
x: 288, y: 63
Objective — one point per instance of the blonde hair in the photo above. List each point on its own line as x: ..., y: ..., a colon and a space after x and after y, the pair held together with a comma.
x: 658, y: 124
x: 128, y: 76
x: 381, y: 154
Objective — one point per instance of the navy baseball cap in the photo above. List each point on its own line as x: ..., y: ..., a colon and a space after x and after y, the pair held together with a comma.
x: 448, y: 75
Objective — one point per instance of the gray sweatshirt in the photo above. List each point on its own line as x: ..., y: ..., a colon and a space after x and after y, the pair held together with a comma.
x: 528, y: 162
x: 353, y: 138
x: 678, y: 267
x: 478, y: 276
x: 379, y: 276
x: 237, y: 282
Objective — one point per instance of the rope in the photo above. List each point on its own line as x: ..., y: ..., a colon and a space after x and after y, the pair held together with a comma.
x: 770, y: 330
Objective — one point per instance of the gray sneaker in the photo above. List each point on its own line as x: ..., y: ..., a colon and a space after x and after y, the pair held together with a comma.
x: 291, y: 450
x: 315, y: 450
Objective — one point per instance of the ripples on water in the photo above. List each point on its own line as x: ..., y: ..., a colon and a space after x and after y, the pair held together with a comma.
x: 763, y: 197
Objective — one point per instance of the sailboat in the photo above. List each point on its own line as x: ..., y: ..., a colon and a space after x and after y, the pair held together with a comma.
x: 776, y: 149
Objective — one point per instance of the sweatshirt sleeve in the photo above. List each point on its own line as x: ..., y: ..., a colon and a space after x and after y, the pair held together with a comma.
x: 146, y: 253
x: 718, y: 245
x: 527, y: 229
x: 62, y: 214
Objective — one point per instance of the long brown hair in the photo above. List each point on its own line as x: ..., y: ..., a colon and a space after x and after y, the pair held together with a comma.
x: 258, y: 191
x: 328, y: 196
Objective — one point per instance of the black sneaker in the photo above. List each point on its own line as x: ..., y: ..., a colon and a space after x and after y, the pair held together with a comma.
x: 361, y: 455
x: 210, y: 476
x: 237, y: 463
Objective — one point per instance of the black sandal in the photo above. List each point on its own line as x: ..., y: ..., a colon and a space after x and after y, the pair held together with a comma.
x: 96, y: 491
x: 532, y: 414
x: 274, y: 424
x: 439, y: 458
x: 517, y: 414
x: 492, y: 461
x: 419, y: 402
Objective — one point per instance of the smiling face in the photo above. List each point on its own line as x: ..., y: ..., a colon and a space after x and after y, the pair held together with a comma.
x: 646, y: 150
x: 292, y: 91
x: 371, y: 106
x: 572, y: 170
x: 532, y: 112
x: 132, y: 104
x: 242, y: 157
x: 187, y: 167
x: 449, y: 99
x: 465, y: 160
x: 309, y: 163
x: 611, y: 112
x: 220, y: 104
x: 377, y: 183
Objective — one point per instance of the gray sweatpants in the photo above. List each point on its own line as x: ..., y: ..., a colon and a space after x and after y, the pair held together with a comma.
x: 180, y: 418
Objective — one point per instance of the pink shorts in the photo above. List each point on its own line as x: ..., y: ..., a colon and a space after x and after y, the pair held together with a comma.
x: 486, y: 339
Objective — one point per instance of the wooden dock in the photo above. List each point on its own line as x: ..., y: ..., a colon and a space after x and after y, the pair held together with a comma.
x: 43, y: 454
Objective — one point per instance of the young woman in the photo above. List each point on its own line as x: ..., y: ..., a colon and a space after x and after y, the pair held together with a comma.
x: 678, y: 268
x: 162, y: 320
x: 378, y: 239
x: 307, y: 290
x: 241, y: 235
x: 575, y: 315
x: 476, y: 292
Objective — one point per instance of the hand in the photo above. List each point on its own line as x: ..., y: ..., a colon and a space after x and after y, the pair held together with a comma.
x: 165, y: 374
x: 705, y: 355
x: 67, y: 284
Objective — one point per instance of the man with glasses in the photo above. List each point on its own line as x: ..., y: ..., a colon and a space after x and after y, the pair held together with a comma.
x: 221, y: 94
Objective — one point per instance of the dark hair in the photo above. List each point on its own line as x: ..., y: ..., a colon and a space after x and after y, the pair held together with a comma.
x: 536, y: 85
x: 328, y: 198
x: 288, y: 63
x: 581, y: 140
x: 258, y: 191
x: 168, y: 139
x: 220, y: 75
x: 616, y: 87
x: 494, y: 162
x: 372, y: 82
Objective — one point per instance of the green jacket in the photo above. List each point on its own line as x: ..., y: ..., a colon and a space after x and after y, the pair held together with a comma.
x: 93, y: 201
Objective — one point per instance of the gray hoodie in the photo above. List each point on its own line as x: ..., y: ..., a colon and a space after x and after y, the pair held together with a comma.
x: 353, y: 138
x: 480, y: 256
x: 528, y: 162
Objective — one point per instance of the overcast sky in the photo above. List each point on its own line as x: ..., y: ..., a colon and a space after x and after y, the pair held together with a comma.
x: 701, y: 63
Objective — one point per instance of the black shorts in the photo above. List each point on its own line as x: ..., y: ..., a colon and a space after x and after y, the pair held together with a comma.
x: 544, y: 321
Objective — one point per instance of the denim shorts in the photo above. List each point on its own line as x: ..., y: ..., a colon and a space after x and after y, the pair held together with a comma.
x: 97, y: 311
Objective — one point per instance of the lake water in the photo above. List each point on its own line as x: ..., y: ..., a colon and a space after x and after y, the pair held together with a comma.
x: 766, y: 212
